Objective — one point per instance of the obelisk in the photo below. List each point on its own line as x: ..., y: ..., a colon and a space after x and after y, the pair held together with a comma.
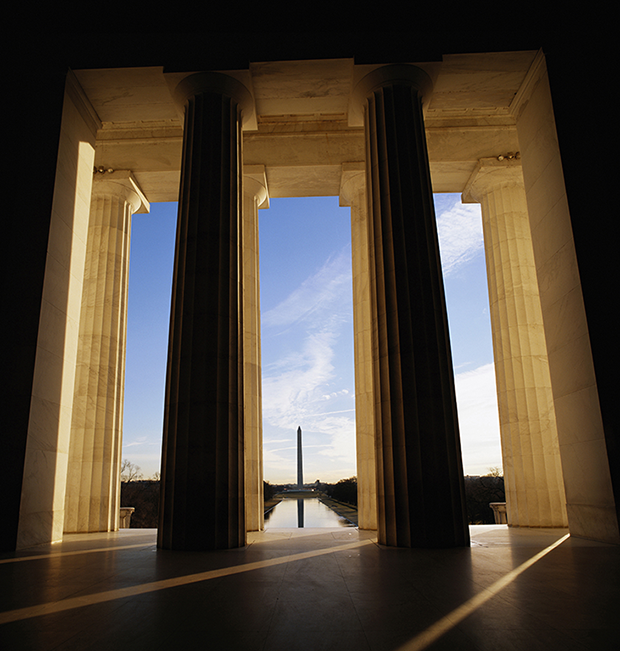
x: 300, y: 470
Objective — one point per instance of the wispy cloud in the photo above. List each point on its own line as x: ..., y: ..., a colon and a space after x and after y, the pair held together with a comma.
x: 143, y: 440
x: 317, y: 297
x: 460, y: 235
x: 292, y: 386
x: 339, y: 411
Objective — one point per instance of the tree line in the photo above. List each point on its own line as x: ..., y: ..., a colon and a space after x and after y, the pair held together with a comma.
x: 143, y: 494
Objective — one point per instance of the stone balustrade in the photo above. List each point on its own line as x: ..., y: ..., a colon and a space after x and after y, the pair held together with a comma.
x: 499, y: 512
x: 125, y: 516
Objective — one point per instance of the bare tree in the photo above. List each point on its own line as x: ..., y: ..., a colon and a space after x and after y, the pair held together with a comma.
x: 129, y: 471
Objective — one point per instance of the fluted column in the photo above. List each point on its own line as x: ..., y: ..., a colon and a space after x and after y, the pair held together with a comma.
x: 420, y: 491
x: 530, y: 449
x: 93, y: 483
x: 353, y: 194
x: 202, y: 499
x: 255, y: 196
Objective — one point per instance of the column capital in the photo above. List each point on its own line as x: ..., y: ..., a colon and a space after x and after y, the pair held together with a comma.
x: 215, y: 82
x: 352, y: 183
x: 120, y: 183
x: 491, y: 174
x: 255, y: 183
x: 401, y: 74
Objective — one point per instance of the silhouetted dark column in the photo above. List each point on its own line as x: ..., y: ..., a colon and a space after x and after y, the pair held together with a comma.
x: 202, y: 497
x: 420, y: 489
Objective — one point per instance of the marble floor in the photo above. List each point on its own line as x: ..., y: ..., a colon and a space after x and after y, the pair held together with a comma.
x: 313, y: 589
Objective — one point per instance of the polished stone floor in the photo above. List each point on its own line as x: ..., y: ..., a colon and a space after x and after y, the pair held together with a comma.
x: 313, y: 589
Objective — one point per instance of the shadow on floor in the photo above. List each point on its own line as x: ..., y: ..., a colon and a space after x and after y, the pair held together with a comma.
x: 313, y: 589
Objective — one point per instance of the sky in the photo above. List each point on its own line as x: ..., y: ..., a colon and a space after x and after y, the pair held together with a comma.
x: 307, y: 336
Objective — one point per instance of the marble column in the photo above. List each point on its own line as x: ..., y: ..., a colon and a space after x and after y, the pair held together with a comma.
x: 202, y: 503
x: 530, y: 449
x: 353, y: 194
x: 420, y: 488
x: 255, y: 196
x: 93, y: 483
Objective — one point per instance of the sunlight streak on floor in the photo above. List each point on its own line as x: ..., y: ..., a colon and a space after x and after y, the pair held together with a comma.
x: 38, y: 557
x: 121, y: 593
x: 434, y: 632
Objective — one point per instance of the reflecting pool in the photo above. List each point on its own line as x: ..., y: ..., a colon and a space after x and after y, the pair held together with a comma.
x: 305, y: 512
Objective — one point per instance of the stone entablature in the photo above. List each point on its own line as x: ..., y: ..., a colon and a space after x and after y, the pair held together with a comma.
x: 471, y: 114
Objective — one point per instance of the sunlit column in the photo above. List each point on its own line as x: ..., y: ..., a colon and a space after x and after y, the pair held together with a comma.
x: 93, y: 483
x: 530, y: 450
x: 255, y: 196
x: 353, y: 194
x: 203, y: 488
x: 420, y: 488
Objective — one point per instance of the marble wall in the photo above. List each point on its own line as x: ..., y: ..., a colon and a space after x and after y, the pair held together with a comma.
x: 47, y: 448
x: 585, y: 465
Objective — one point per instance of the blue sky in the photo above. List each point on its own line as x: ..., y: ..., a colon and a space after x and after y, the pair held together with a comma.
x: 307, y: 336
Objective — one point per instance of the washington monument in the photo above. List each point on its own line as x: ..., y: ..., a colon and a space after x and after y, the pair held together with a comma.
x: 300, y: 470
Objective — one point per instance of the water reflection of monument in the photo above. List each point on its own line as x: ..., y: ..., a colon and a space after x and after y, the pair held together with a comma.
x: 300, y: 513
x: 300, y: 482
